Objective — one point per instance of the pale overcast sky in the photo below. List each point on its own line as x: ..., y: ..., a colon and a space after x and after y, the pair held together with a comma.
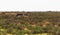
x: 29, y: 5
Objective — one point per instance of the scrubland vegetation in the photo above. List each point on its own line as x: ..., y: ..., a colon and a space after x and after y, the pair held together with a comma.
x: 29, y: 23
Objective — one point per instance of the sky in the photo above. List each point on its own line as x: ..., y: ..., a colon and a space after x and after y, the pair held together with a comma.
x: 29, y: 5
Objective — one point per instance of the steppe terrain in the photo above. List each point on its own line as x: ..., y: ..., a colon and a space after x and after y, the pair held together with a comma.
x: 29, y: 23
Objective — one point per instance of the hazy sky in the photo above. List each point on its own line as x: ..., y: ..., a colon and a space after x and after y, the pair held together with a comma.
x: 29, y: 5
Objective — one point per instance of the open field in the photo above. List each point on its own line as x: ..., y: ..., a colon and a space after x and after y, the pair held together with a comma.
x: 30, y: 23
x: 5, y: 33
